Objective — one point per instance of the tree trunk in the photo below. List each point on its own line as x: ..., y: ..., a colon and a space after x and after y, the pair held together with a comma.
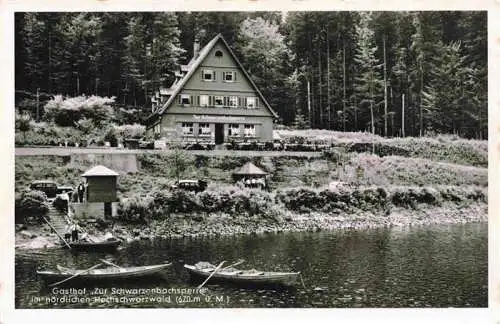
x: 373, y: 126
x: 420, y: 100
x: 320, y: 99
x: 328, y: 96
x: 309, y: 102
x: 385, y: 89
x: 403, y: 115
x: 344, y: 90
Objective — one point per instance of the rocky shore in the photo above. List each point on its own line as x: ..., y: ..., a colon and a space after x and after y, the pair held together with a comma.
x: 219, y: 224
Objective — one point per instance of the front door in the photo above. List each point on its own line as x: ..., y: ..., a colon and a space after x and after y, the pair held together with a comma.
x: 219, y: 133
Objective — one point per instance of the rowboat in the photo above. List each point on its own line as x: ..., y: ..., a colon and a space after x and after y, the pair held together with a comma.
x: 111, y: 244
x: 247, y: 277
x: 111, y: 273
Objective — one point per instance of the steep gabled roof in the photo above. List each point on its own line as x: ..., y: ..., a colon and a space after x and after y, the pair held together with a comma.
x: 193, y: 66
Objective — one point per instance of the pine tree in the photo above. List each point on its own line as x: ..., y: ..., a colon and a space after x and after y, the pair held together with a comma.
x: 368, y: 83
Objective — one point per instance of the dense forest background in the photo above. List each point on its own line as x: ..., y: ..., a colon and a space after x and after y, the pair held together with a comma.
x: 391, y: 73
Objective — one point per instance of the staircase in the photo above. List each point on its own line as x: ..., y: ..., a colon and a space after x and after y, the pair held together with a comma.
x: 57, y: 219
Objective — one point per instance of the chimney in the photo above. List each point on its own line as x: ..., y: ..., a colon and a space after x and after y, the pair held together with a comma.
x: 196, y: 47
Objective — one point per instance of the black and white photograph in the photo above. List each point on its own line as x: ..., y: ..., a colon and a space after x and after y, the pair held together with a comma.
x: 251, y: 159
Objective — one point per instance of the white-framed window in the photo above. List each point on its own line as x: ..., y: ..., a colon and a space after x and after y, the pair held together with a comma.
x: 187, y: 128
x: 218, y: 101
x: 204, y: 101
x: 185, y: 99
x: 233, y: 101
x: 204, y: 129
x: 249, y: 131
x: 251, y: 102
x: 157, y: 128
x: 229, y: 76
x: 233, y: 130
x: 208, y: 75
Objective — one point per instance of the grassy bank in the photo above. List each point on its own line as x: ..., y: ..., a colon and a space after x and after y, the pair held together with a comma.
x: 413, y: 185
x: 443, y: 148
x: 356, y: 168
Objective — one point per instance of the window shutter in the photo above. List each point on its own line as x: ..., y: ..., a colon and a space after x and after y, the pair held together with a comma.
x: 256, y: 102
x: 234, y: 75
x: 202, y: 74
x: 214, y: 75
x: 223, y: 76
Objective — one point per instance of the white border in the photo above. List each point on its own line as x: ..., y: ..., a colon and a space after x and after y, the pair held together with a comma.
x: 9, y: 315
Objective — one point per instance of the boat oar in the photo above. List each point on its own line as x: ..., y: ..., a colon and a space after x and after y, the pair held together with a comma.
x: 110, y: 263
x: 302, y: 280
x: 75, y: 275
x: 234, y: 264
x: 218, y: 267
x: 52, y: 227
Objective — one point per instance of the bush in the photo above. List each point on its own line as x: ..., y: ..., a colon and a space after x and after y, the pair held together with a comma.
x: 31, y: 206
x: 135, y: 131
x: 136, y: 210
x: 68, y: 111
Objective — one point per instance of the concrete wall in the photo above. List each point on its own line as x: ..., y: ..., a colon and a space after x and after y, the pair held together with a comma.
x: 92, y: 210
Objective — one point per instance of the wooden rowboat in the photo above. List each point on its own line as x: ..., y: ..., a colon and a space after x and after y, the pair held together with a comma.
x: 94, y: 246
x: 111, y: 273
x: 246, y: 277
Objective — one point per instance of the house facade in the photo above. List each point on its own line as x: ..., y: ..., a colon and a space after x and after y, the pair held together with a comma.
x: 212, y: 100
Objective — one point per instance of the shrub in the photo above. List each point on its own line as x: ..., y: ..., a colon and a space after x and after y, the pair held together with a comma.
x: 135, y: 210
x: 136, y: 131
x: 31, y: 206
x: 67, y: 111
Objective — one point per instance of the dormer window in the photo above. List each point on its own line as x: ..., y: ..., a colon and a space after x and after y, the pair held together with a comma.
x: 208, y: 75
x: 229, y: 76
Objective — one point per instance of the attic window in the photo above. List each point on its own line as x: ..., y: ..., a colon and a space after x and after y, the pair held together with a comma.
x: 218, y: 53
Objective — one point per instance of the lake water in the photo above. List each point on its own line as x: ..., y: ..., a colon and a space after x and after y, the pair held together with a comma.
x: 435, y: 266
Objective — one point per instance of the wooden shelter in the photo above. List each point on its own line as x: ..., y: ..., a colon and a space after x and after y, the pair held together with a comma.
x: 101, y: 184
x: 101, y: 188
x: 251, y: 176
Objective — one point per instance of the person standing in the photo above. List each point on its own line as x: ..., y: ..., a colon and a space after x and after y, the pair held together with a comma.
x: 67, y: 233
x: 81, y: 189
x: 75, y: 229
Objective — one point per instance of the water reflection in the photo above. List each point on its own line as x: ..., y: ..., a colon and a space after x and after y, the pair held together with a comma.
x: 438, y: 266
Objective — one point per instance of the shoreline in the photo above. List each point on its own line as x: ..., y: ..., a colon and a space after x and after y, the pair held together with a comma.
x: 36, y: 237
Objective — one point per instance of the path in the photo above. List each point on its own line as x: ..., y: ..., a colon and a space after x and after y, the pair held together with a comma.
x: 66, y: 151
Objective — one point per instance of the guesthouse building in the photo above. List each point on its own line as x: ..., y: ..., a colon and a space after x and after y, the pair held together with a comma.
x: 212, y: 100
